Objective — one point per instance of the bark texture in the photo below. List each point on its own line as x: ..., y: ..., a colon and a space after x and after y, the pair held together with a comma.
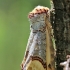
x: 60, y: 19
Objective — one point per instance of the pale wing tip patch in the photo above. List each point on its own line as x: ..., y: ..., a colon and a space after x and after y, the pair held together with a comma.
x: 35, y: 65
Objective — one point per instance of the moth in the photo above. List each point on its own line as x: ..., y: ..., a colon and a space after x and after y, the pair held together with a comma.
x: 39, y: 54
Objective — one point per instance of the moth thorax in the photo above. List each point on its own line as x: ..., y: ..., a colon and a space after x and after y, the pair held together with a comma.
x: 38, y: 21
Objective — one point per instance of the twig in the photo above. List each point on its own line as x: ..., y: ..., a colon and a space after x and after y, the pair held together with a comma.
x: 66, y: 64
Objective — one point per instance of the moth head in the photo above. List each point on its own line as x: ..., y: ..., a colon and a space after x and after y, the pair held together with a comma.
x: 38, y: 13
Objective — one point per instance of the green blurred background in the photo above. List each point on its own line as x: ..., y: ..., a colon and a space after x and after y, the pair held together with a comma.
x: 14, y: 30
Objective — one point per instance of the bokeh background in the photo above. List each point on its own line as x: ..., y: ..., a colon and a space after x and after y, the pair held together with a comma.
x: 14, y: 30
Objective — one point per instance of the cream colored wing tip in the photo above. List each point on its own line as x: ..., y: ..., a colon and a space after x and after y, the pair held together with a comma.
x: 35, y: 65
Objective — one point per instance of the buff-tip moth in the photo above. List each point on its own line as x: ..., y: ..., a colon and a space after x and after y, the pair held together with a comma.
x: 39, y: 53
